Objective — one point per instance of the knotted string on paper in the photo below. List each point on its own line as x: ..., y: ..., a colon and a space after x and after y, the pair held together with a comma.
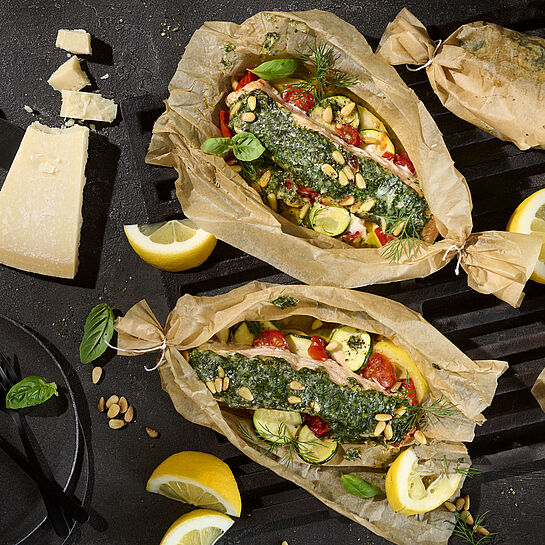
x: 437, y: 44
x: 459, y: 252
x: 162, y: 348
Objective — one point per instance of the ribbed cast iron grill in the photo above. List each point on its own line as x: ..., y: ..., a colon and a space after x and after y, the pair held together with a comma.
x: 500, y: 176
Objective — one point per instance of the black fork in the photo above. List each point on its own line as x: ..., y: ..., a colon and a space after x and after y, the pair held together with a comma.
x: 61, y: 523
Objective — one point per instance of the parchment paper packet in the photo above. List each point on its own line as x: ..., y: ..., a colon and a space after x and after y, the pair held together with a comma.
x: 538, y: 389
x: 470, y: 385
x: 214, y: 196
x: 488, y: 75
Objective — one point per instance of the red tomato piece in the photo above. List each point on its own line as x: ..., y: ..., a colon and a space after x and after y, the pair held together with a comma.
x: 402, y: 159
x: 271, y: 337
x: 380, y: 369
x: 247, y: 78
x: 383, y: 237
x: 409, y: 390
x: 349, y: 237
x: 349, y: 134
x: 299, y: 98
x: 224, y: 124
x: 307, y: 193
x: 316, y: 424
x: 316, y: 350
x: 388, y: 156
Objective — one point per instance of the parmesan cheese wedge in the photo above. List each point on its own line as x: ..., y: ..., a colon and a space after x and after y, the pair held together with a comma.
x: 69, y: 76
x: 89, y: 106
x: 41, y: 200
x: 76, y: 41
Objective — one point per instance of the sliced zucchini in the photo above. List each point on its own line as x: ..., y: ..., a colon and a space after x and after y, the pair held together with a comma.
x: 355, y: 347
x: 378, y: 141
x: 338, y: 104
x: 244, y: 333
x: 299, y: 344
x: 329, y: 220
x: 313, y: 449
x: 223, y: 335
x: 369, y: 120
x: 267, y: 326
x: 277, y: 427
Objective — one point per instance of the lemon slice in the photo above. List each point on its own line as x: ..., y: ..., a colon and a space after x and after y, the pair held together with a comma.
x: 200, y: 527
x: 174, y: 246
x: 410, y: 489
x: 401, y: 359
x: 529, y: 218
x: 197, y: 478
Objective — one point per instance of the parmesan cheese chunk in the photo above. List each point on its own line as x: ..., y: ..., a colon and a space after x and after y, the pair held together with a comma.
x: 41, y: 199
x: 69, y: 76
x: 90, y: 106
x: 76, y: 41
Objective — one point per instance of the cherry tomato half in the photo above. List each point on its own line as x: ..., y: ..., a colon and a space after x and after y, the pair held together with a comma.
x: 271, y: 337
x: 380, y: 369
x: 247, y: 78
x: 300, y: 98
x: 316, y: 424
x: 349, y: 236
x: 409, y: 390
x: 316, y: 350
x: 383, y: 237
x: 307, y: 193
x: 401, y: 159
x: 224, y: 124
x: 349, y: 134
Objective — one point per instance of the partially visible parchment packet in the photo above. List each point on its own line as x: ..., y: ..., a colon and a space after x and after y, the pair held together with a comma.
x: 470, y: 385
x: 215, y: 197
x: 538, y: 389
x: 488, y: 75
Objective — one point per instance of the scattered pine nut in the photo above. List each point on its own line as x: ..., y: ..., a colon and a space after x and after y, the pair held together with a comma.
x: 420, y: 437
x: 349, y: 172
x: 112, y: 399
x: 400, y: 412
x: 360, y: 181
x: 304, y: 211
x: 116, y: 424
x: 129, y: 415
x: 481, y: 530
x: 221, y: 372
x: 245, y: 393
x: 252, y: 102
x: 101, y: 404
x: 123, y: 404
x: 211, y: 386
x: 218, y: 383
x: 379, y: 428
x: 388, y: 432
x: 264, y: 179
x: 327, y: 116
x: 328, y: 170
x: 97, y: 374
x: 348, y: 109
x: 113, y: 410
x: 450, y: 506
x: 294, y: 399
x: 152, y: 433
x: 460, y: 504
x: 225, y: 383
x: 338, y: 157
x: 466, y: 503
x: 343, y: 180
x: 348, y: 200
x: 271, y: 199
x: 333, y: 346
x: 247, y: 116
x: 467, y: 518
x: 296, y: 385
x: 383, y: 417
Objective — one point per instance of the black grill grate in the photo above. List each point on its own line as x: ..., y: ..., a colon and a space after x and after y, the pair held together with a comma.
x: 500, y: 176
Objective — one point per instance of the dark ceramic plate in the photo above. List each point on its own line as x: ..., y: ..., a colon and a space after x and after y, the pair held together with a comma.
x: 55, y: 425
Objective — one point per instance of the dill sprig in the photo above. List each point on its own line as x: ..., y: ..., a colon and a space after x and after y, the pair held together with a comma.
x: 467, y: 472
x: 320, y: 60
x: 467, y: 532
x: 402, y: 225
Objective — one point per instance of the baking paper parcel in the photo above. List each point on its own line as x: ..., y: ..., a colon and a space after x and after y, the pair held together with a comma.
x: 538, y: 389
x: 452, y: 376
x: 488, y: 75
x: 214, y: 196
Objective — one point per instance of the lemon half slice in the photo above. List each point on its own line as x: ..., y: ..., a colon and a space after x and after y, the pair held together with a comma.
x: 197, y: 478
x: 529, y: 218
x: 410, y: 489
x: 200, y: 527
x: 174, y: 246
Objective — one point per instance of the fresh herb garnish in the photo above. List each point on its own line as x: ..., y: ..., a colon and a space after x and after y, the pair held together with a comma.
x: 352, y: 454
x: 467, y: 472
x: 255, y: 328
x: 435, y: 366
x: 358, y: 487
x: 245, y: 146
x: 469, y: 533
x: 285, y: 301
x: 98, y: 330
x: 275, y: 69
x: 320, y: 61
x: 407, y: 237
x: 420, y: 416
x: 29, y: 392
x: 355, y: 343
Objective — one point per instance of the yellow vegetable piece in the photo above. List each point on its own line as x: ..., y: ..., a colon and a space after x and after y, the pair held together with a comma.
x: 369, y: 120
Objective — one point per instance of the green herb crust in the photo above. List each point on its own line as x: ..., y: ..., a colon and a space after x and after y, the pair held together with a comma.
x: 348, y: 410
x: 301, y: 153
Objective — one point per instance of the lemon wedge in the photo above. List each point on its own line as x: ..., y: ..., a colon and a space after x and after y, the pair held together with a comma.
x: 401, y: 359
x: 197, y: 478
x: 529, y: 218
x: 174, y: 246
x: 410, y: 489
x: 200, y: 527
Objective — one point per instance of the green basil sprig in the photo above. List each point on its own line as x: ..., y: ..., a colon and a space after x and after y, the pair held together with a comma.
x: 99, y: 327
x: 29, y: 392
x: 245, y: 146
x: 285, y: 301
x: 358, y: 487
x: 275, y: 69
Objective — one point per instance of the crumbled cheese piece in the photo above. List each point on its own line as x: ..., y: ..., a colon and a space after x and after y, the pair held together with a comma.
x: 69, y: 76
x: 69, y: 123
x: 105, y: 76
x: 28, y: 109
x: 88, y: 106
x: 76, y: 41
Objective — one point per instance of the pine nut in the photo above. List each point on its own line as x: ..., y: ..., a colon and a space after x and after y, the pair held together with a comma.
x: 347, y: 201
x: 113, y: 410
x: 123, y: 405
x: 400, y: 412
x: 97, y: 374
x: 450, y: 506
x: 252, y: 102
x: 466, y: 517
x: 111, y: 400
x: 294, y: 399
x: 296, y: 385
x: 116, y: 424
x: 481, y: 530
x: 459, y: 504
x: 271, y: 199
x: 317, y: 324
x: 152, y: 433
x: 247, y: 116
x: 466, y: 503
x: 388, y: 432
x: 348, y: 172
x: 420, y: 437
x: 379, y: 428
x: 225, y: 383
x: 327, y: 201
x: 129, y: 415
x: 264, y: 179
x: 348, y: 109
x: 101, y: 404
x: 304, y: 211
x: 355, y: 207
x: 338, y: 157
x: 360, y: 181
x: 328, y: 170
x: 367, y: 205
x: 400, y: 226
x: 383, y: 417
x: 221, y: 371
x: 235, y: 108
x: 327, y: 115
x: 395, y: 388
x: 343, y: 180
x: 333, y: 346
x: 218, y: 383
x: 211, y: 386
x: 315, y: 406
x: 245, y: 393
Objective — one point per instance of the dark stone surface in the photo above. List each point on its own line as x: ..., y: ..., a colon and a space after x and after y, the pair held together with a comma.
x: 130, y: 47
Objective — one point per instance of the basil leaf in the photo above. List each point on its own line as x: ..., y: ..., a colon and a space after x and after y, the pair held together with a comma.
x: 246, y: 146
x: 99, y: 327
x: 29, y: 392
x: 217, y: 146
x: 358, y: 487
x: 275, y: 69
x: 285, y: 301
